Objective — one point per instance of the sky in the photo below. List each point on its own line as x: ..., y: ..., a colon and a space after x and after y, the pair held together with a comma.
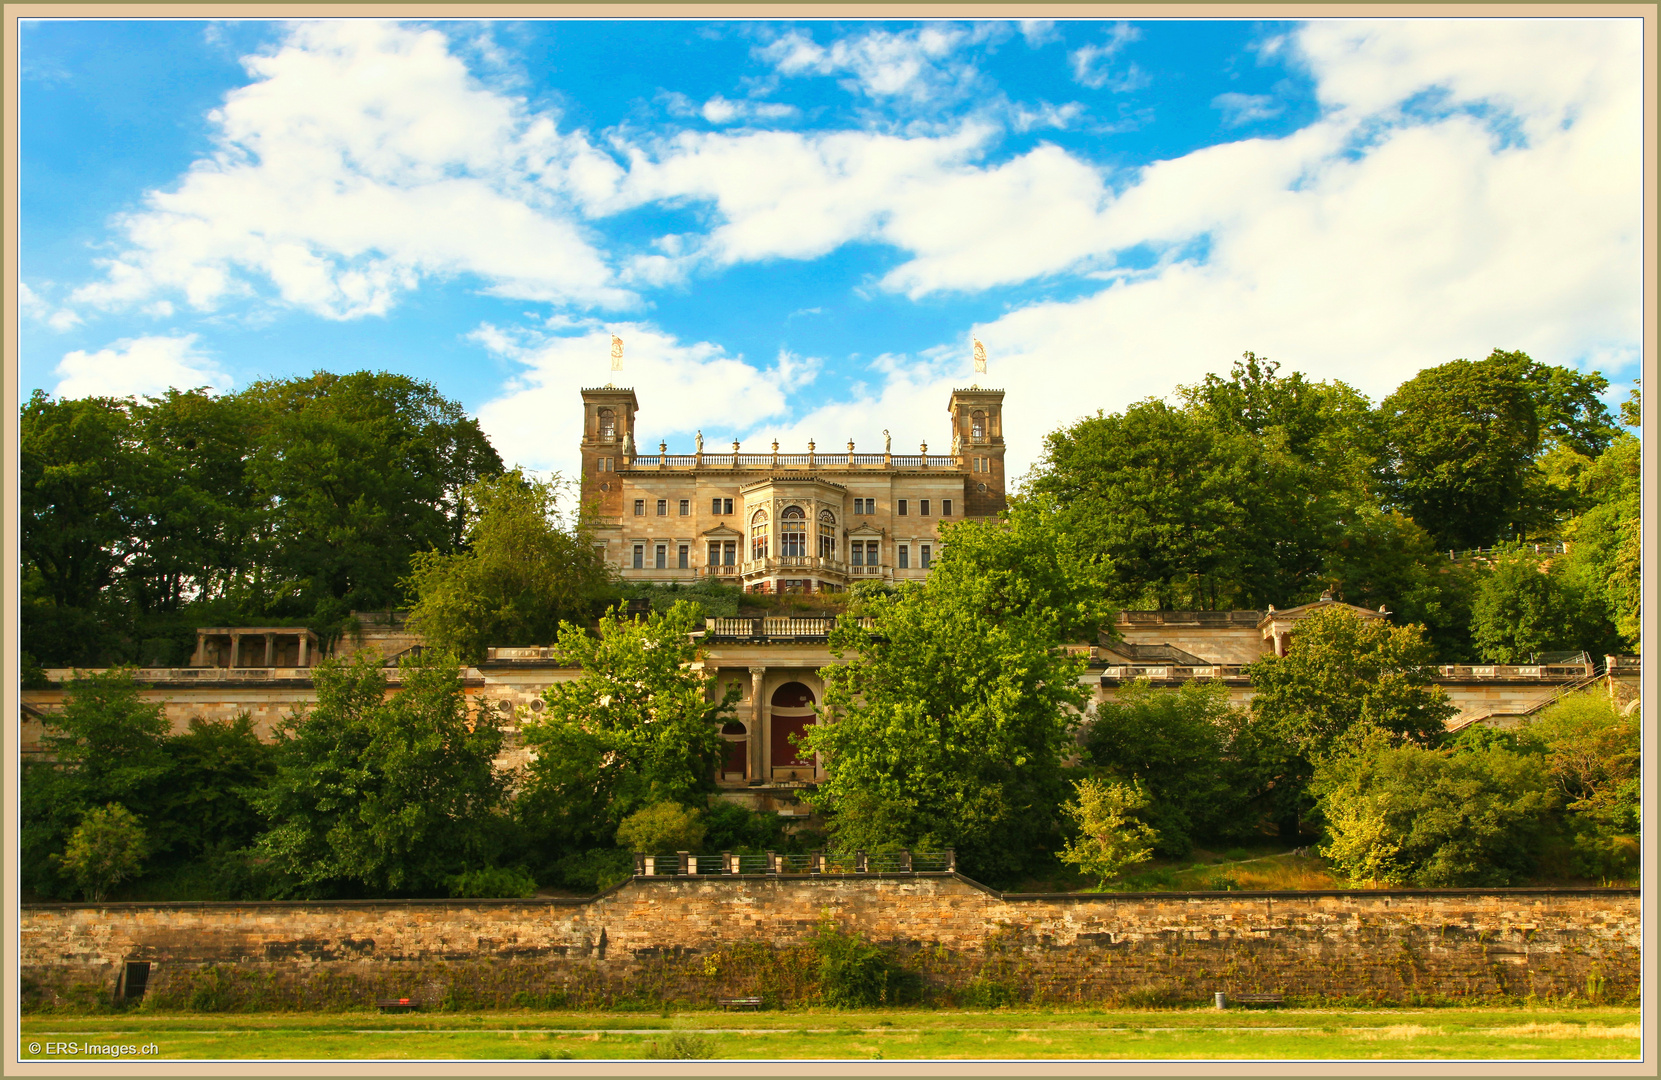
x: 798, y: 228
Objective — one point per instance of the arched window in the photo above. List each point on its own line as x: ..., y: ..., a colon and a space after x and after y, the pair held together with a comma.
x: 977, y: 425
x: 608, y: 425
x: 758, y: 535
x: 793, y: 532
x: 827, y: 535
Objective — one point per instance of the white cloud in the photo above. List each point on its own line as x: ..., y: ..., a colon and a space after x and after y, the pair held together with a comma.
x: 31, y: 305
x: 143, y: 365
x: 1038, y: 32
x: 1092, y: 67
x: 1045, y: 115
x: 718, y: 110
x: 361, y: 160
x: 537, y: 420
x: 909, y: 65
x: 1240, y: 109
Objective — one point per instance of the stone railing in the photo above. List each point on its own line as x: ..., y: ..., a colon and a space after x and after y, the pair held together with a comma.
x: 526, y: 652
x: 1173, y: 671
x: 198, y: 674
x: 723, y: 570
x: 815, y: 460
x: 795, y: 562
x: 773, y: 628
x: 686, y: 864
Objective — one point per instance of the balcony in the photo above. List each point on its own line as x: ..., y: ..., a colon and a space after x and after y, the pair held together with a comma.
x: 773, y: 629
x: 729, y: 570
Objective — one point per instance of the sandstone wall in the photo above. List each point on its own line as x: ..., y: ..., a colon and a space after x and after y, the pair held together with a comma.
x: 695, y: 940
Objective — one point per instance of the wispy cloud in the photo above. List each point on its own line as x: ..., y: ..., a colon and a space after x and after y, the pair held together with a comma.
x: 1093, y: 67
x: 144, y: 365
x: 1238, y: 109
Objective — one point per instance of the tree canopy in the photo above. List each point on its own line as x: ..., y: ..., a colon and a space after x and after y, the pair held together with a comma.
x: 520, y: 574
x: 951, y: 716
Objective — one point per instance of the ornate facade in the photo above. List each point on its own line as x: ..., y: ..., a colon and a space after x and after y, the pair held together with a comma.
x: 784, y: 522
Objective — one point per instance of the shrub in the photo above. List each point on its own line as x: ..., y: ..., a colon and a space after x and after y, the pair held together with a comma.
x: 1469, y: 815
x: 1110, y: 838
x: 662, y: 827
x: 595, y: 870
x: 854, y: 974
x: 493, y: 881
x: 106, y: 848
x: 681, y: 1047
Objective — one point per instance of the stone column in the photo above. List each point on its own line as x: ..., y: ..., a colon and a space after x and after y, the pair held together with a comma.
x: 758, y: 726
x: 305, y: 648
x: 270, y: 651
x: 236, y: 650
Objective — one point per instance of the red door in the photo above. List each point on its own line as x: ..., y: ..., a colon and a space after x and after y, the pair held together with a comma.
x: 786, y: 753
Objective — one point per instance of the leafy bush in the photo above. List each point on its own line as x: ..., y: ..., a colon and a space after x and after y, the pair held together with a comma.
x: 731, y: 827
x: 493, y: 881
x: 594, y: 871
x: 683, y: 1047
x: 854, y: 974
x: 662, y: 827
x: 1470, y: 815
x: 107, y: 848
x: 1110, y: 837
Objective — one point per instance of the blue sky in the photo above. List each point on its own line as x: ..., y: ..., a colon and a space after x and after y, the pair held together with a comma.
x: 797, y: 228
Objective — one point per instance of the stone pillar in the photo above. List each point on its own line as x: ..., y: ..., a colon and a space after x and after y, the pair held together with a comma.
x: 305, y: 648
x: 236, y: 650
x: 758, y: 726
x: 270, y: 651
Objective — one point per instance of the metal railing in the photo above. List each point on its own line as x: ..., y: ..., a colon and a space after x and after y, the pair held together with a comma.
x: 687, y: 864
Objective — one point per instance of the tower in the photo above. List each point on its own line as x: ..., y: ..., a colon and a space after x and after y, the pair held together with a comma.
x: 978, y: 429
x: 608, y: 431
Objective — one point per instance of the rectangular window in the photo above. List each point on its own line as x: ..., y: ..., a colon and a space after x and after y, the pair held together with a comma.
x: 924, y: 560
x: 640, y: 508
x: 925, y: 507
x: 726, y: 506
x: 905, y: 556
x: 715, y: 506
x: 663, y: 508
x: 685, y: 559
x: 901, y: 509
x: 662, y: 557
x: 730, y: 550
x: 714, y: 553
x: 856, y: 553
x: 945, y: 508
x: 686, y: 507
x: 640, y: 556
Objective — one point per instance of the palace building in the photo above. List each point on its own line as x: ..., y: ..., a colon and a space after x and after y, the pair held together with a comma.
x: 785, y: 522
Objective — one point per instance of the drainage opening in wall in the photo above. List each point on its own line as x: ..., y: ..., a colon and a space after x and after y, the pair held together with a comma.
x: 135, y: 976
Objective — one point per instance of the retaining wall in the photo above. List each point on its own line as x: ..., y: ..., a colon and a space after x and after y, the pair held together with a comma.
x: 694, y: 940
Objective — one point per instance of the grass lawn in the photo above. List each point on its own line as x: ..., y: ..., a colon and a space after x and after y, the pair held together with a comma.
x: 1538, y: 1032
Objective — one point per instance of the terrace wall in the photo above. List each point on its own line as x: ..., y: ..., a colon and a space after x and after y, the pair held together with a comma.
x: 694, y: 940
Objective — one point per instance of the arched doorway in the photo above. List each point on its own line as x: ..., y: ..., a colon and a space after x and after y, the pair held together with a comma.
x: 735, y: 758
x: 793, y: 714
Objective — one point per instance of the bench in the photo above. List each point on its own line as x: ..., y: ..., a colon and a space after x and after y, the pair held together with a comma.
x: 1256, y: 999
x: 751, y: 1003
x: 395, y: 1005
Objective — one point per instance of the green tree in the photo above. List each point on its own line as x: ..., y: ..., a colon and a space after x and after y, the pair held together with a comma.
x: 1178, y: 746
x: 360, y: 471
x: 520, y: 575
x: 1231, y: 499
x: 662, y: 827
x: 106, y: 848
x: 216, y: 770
x: 1110, y: 838
x: 636, y: 728
x: 1404, y: 814
x: 384, y: 795
x: 1342, y: 671
x: 1523, y: 607
x: 1465, y: 436
x: 1605, y: 558
x: 948, y: 724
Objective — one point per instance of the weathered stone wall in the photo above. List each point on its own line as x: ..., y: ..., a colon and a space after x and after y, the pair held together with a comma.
x: 694, y: 940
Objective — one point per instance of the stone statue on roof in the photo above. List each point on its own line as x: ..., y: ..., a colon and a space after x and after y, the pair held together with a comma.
x: 980, y: 356
x: 616, y: 353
